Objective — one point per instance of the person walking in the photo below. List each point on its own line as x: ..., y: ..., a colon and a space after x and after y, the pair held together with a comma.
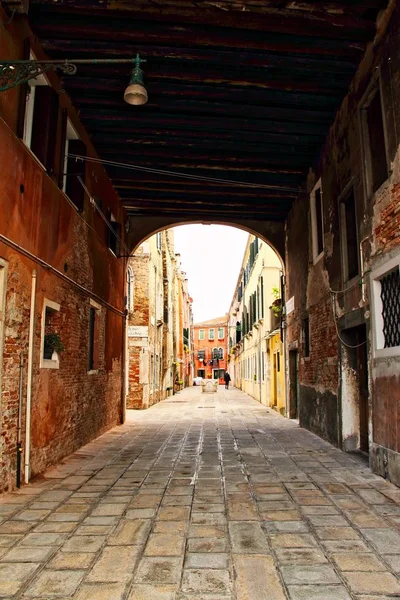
x: 227, y: 379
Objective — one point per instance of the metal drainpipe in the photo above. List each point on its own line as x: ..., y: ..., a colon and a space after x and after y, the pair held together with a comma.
x: 29, y: 379
x: 19, y: 425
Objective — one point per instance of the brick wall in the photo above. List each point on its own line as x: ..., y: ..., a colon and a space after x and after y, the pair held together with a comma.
x: 43, y: 232
x: 328, y: 379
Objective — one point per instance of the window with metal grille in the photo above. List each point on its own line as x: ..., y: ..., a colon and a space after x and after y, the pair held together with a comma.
x: 390, y: 296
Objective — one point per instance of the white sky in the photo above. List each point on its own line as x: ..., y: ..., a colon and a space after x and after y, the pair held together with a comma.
x: 211, y: 256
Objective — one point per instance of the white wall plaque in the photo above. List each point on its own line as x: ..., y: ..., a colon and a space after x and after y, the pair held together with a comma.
x: 138, y: 331
x: 290, y: 305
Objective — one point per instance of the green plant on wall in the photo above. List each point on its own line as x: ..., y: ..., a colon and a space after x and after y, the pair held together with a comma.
x: 52, y: 343
x: 277, y: 303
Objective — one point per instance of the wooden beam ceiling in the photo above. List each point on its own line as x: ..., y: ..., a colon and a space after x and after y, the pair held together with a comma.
x: 241, y: 91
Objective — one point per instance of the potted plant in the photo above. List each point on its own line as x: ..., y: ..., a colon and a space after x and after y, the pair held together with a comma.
x: 53, y: 346
x: 277, y: 303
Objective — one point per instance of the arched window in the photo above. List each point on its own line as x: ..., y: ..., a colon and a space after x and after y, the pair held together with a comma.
x: 129, y: 289
x: 220, y: 353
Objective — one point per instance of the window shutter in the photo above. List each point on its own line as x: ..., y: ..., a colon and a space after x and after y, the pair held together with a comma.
x: 44, y: 127
x: 75, y: 168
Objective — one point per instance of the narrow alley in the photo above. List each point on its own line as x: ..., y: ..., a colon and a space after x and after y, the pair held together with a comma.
x: 203, y: 497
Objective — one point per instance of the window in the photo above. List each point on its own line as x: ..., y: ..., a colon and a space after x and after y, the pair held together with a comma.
x: 240, y: 292
x: 349, y: 236
x: 201, y: 354
x: 262, y: 366
x: 238, y: 331
x: 201, y: 334
x: 221, y: 333
x: 50, y: 335
x: 93, y: 350
x: 158, y: 241
x: 375, y: 154
x: 211, y: 334
x: 386, y: 308
x: 113, y: 233
x: 317, y: 222
x: 218, y: 353
x: 40, y: 123
x: 262, y: 296
x: 74, y: 168
x: 129, y: 289
x: 305, y: 332
x: 201, y: 373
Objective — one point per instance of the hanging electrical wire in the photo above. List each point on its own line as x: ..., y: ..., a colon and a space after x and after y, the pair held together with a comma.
x: 181, y: 175
x: 103, y: 216
x: 359, y: 281
x: 337, y: 328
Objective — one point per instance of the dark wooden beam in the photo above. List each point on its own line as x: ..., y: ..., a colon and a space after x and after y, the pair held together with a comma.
x: 65, y: 25
x: 239, y: 59
x: 272, y: 20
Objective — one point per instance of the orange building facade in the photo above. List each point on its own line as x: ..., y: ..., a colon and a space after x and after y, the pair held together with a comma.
x: 211, y: 348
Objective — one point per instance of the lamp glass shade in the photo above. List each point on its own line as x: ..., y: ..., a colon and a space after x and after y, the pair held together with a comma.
x: 135, y: 94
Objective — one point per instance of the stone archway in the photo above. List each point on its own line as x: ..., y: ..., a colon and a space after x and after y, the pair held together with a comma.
x: 272, y: 232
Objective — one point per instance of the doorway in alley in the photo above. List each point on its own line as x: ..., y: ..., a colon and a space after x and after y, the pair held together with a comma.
x: 355, y: 395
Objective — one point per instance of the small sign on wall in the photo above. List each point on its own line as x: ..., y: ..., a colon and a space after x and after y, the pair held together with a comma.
x: 289, y: 305
x: 138, y: 331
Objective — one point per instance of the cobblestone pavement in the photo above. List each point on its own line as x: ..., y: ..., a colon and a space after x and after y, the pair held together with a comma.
x: 203, y: 497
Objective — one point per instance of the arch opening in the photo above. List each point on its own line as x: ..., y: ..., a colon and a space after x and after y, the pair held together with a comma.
x: 180, y: 333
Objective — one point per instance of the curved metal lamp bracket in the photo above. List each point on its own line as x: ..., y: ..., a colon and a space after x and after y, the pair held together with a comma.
x: 16, y: 72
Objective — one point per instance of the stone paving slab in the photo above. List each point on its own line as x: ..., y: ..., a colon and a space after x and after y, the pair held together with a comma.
x: 231, y: 502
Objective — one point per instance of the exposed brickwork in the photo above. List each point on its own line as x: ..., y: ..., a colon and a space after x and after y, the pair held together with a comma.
x: 329, y: 379
x: 69, y: 406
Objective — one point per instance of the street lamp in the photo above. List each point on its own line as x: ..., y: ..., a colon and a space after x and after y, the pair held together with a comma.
x: 16, y: 72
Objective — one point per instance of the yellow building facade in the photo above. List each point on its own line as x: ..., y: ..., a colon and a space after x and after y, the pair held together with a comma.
x: 256, y: 354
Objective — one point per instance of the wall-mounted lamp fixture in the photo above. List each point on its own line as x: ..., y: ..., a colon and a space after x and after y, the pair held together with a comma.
x: 16, y: 72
